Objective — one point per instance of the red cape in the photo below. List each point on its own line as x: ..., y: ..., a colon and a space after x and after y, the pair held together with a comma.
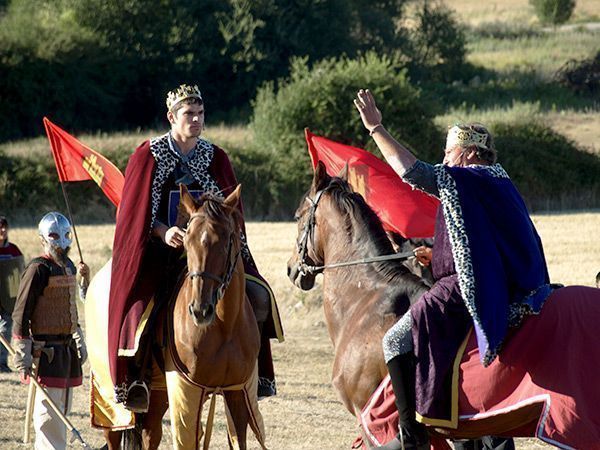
x: 131, y: 288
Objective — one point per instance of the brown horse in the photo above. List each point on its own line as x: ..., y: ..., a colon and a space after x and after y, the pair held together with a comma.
x: 212, y: 333
x: 361, y: 301
x: 527, y: 395
x: 215, y: 338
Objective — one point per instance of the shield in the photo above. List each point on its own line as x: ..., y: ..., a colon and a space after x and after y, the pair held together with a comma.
x: 10, y: 275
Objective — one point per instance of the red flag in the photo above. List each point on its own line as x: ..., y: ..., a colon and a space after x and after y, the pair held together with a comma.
x: 77, y: 162
x: 400, y: 207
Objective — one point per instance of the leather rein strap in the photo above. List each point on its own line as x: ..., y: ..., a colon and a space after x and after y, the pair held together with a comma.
x: 308, y: 233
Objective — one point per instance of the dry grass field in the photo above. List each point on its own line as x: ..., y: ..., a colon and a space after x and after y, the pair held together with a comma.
x: 475, y: 12
x: 306, y: 414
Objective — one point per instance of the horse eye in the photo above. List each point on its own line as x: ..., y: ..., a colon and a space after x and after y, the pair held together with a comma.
x: 296, y: 217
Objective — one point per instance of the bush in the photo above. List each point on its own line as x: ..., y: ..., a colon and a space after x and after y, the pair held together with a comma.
x: 549, y: 170
x: 583, y: 76
x: 437, y: 44
x: 553, y: 12
x: 29, y: 187
x: 321, y: 98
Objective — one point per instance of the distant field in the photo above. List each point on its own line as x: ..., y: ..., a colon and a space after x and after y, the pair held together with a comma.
x: 306, y: 413
x: 475, y: 12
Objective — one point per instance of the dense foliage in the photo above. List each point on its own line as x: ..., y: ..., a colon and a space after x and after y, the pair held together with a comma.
x: 107, y: 64
x: 321, y: 99
x: 581, y: 76
x: 553, y: 12
x: 549, y: 170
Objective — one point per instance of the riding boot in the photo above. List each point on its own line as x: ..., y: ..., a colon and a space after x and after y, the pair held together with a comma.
x: 411, y: 434
x: 261, y: 303
x: 266, y: 374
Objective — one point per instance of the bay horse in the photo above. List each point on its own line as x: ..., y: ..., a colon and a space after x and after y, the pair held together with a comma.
x: 361, y: 302
x: 213, y: 337
x: 520, y: 394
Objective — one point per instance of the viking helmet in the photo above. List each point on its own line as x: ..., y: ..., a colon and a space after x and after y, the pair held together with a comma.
x: 55, y: 229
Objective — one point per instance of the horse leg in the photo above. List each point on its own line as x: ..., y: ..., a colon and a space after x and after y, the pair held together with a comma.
x: 113, y: 439
x: 238, y: 417
x: 152, y: 424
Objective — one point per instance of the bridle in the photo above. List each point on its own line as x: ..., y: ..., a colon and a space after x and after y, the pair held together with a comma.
x: 308, y: 231
x: 222, y: 282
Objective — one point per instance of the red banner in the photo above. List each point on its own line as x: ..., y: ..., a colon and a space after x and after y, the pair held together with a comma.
x: 400, y: 207
x: 77, y: 162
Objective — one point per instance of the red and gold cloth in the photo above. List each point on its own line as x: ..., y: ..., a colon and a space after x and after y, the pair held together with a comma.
x: 401, y: 208
x: 77, y: 162
x: 542, y: 384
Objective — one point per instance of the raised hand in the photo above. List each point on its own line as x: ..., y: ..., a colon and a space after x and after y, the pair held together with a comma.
x: 369, y: 114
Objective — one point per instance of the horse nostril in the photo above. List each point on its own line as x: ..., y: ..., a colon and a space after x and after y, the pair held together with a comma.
x: 208, y: 311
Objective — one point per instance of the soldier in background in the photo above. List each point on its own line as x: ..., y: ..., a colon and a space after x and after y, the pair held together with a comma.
x: 11, y: 266
x: 47, y: 338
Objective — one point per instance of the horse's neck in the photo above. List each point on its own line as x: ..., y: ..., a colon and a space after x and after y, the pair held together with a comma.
x: 344, y: 287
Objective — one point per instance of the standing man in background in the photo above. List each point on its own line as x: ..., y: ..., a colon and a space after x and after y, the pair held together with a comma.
x: 11, y: 266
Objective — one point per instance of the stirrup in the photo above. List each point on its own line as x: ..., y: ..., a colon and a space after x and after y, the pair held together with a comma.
x: 136, y: 401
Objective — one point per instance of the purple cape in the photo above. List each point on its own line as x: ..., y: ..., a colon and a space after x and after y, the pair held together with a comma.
x: 497, y: 252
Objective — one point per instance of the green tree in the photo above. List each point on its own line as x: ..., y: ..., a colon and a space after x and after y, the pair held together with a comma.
x: 553, y: 12
x: 436, y: 45
x: 321, y: 98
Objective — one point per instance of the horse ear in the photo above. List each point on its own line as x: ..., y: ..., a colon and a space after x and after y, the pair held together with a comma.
x: 233, y: 199
x: 187, y: 200
x: 344, y: 172
x: 320, y: 179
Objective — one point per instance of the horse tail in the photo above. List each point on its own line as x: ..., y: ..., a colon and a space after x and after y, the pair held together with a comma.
x: 132, y: 438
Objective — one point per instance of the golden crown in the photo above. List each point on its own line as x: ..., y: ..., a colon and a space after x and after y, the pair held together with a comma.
x: 464, y: 138
x: 181, y: 93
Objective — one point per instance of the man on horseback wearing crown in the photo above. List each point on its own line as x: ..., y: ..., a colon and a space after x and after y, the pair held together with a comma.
x: 488, y: 265
x: 148, y: 245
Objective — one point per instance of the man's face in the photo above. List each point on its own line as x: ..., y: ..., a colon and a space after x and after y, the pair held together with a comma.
x: 454, y: 156
x: 187, y: 121
x: 3, y: 232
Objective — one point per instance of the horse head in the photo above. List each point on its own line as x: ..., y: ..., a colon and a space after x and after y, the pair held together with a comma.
x: 308, y: 253
x: 212, y: 244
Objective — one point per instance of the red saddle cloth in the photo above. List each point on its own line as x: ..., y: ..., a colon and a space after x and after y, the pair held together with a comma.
x: 545, y: 383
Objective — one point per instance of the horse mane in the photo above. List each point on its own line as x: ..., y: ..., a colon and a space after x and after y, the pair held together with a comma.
x: 216, y: 210
x: 367, y: 232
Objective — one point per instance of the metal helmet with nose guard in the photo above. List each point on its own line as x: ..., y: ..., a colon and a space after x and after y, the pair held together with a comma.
x: 55, y: 229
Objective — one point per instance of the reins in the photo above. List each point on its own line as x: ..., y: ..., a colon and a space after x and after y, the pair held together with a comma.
x: 306, y: 269
x: 308, y: 232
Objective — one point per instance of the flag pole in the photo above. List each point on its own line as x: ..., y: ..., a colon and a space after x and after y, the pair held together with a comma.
x: 64, y: 191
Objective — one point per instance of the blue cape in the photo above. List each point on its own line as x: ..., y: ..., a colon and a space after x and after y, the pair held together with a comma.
x: 497, y: 252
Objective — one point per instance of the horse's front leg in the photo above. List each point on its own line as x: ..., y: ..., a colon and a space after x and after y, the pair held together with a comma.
x: 238, y: 410
x: 152, y: 423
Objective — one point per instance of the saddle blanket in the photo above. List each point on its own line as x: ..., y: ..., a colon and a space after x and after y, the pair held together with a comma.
x: 543, y: 384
